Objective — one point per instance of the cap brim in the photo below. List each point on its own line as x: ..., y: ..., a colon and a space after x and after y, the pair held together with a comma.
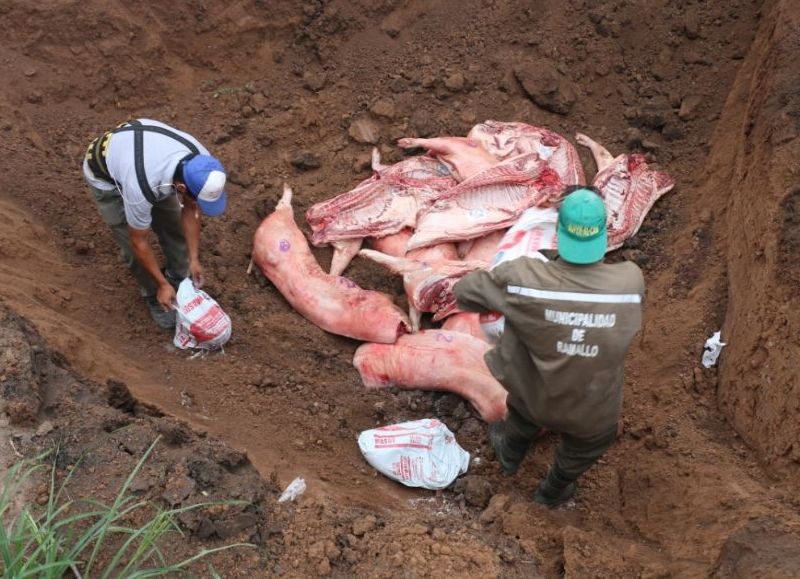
x: 213, y: 208
x: 582, y: 252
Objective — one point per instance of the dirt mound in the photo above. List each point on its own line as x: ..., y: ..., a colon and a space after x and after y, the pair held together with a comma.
x: 760, y: 379
x: 300, y: 91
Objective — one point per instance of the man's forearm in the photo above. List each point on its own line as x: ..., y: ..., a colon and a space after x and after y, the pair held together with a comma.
x: 144, y: 254
x: 190, y: 221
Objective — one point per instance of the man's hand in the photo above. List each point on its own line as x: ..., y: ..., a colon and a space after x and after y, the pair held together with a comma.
x: 166, y: 296
x: 196, y: 270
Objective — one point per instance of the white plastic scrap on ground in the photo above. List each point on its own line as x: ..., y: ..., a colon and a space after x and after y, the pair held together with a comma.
x: 296, y: 488
x: 421, y: 453
x: 199, y: 320
x: 712, y: 349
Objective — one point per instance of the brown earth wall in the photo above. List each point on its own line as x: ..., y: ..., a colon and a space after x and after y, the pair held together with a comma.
x: 759, y: 389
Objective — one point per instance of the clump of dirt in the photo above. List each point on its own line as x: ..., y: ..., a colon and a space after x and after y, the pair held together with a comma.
x: 300, y: 91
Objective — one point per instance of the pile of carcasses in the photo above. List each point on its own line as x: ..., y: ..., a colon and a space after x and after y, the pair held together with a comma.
x: 467, y: 204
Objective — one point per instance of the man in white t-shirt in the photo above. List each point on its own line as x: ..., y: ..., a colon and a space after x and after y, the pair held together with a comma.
x: 147, y: 175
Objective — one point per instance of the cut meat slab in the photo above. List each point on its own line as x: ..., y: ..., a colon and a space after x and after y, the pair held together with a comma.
x: 435, y: 360
x: 506, y: 140
x: 465, y: 157
x: 629, y: 188
x: 488, y: 201
x: 335, y: 304
x: 382, y: 205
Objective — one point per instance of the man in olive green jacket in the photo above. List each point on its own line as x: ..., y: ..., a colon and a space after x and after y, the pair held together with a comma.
x: 568, y: 326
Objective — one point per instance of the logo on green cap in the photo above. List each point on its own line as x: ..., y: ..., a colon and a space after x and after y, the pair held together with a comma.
x: 582, y: 235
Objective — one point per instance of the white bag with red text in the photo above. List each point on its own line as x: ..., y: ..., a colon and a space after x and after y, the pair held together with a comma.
x: 421, y: 453
x: 199, y: 321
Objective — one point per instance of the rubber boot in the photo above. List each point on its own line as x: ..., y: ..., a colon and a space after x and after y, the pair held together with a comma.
x: 555, y: 489
x: 509, y: 451
x: 165, y: 320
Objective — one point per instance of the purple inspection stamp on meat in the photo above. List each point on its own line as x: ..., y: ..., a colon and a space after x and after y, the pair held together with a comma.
x: 284, y: 245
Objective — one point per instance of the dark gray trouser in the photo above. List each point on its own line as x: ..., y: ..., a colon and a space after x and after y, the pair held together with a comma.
x: 166, y: 225
x: 574, y: 455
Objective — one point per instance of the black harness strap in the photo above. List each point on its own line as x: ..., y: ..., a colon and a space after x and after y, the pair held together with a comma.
x: 96, y: 155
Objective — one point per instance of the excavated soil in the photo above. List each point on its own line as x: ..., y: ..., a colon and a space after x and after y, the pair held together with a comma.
x: 704, y: 478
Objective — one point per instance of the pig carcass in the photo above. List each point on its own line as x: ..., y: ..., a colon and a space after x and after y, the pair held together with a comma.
x: 435, y: 360
x: 506, y: 140
x: 393, y: 244
x: 428, y: 285
x: 382, y: 205
x: 344, y: 250
x: 488, y: 201
x: 465, y: 157
x: 629, y: 188
x: 482, y: 248
x: 335, y: 304
x: 465, y: 323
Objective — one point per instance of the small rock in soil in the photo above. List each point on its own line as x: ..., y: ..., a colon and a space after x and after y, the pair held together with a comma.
x: 364, y: 525
x: 477, y: 491
x: 364, y: 130
x: 305, y: 161
x: 454, y: 82
x: 205, y: 472
x: 546, y: 87
x: 314, y: 80
x: 423, y: 123
x: 242, y: 521
x: 653, y: 115
x: 362, y: 162
x: 258, y: 102
x: 178, y: 489
x: 496, y: 506
x: 689, y: 107
x: 691, y: 27
x: 384, y: 108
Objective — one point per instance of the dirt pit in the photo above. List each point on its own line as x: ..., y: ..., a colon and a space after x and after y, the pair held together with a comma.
x: 704, y: 477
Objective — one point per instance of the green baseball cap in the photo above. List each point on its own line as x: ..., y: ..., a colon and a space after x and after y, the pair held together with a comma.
x: 582, y: 234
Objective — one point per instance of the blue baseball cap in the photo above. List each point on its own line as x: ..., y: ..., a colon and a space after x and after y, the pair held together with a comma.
x: 205, y: 178
x: 581, y: 229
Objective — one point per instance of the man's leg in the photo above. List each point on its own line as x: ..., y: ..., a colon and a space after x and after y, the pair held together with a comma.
x: 574, y: 456
x: 512, y: 438
x: 112, y: 210
x: 168, y: 228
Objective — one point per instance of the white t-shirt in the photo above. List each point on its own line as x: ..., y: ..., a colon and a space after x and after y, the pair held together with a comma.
x: 161, y: 157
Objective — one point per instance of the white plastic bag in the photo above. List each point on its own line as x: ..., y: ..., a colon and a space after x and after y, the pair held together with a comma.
x: 534, y: 230
x: 421, y: 453
x: 296, y: 488
x: 199, y: 321
x: 712, y: 349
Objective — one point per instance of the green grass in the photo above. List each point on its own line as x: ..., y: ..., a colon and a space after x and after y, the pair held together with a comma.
x: 65, y: 535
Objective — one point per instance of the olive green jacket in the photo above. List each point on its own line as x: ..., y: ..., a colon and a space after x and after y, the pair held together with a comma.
x: 567, y: 330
